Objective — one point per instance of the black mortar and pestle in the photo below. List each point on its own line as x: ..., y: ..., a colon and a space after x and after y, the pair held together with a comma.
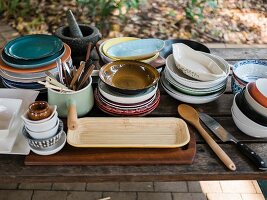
x: 77, y: 36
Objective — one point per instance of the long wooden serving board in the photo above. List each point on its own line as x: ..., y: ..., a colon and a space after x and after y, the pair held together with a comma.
x: 70, y: 155
x: 129, y: 132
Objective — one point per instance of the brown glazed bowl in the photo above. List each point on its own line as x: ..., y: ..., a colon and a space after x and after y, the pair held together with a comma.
x: 39, y: 110
x: 128, y: 76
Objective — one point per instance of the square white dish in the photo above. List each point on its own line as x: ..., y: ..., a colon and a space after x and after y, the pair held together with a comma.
x: 15, y: 143
x: 9, y: 108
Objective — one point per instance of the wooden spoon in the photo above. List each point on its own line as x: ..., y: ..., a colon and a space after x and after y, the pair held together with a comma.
x: 191, y: 115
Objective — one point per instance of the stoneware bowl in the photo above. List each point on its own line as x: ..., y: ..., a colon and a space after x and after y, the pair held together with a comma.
x: 43, y: 134
x: 253, y: 103
x: 129, y: 77
x: 79, y: 45
x: 236, y: 84
x: 39, y: 110
x: 47, y: 142
x: 43, y: 126
x: 246, y: 125
x: 27, y: 120
x: 246, y: 71
x: 258, y: 91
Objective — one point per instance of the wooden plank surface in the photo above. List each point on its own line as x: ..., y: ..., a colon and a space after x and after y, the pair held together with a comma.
x: 206, y: 165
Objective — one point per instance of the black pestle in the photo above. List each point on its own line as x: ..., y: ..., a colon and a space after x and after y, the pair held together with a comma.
x: 74, y: 28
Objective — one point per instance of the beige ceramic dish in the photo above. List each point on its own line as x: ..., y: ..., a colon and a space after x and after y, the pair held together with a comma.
x: 136, y: 133
x: 129, y: 77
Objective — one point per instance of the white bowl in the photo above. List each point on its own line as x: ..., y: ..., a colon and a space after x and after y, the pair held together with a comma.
x: 44, y: 142
x: 246, y: 128
x: 250, y: 70
x: 180, y: 77
x: 29, y: 121
x: 195, y: 64
x: 43, y: 126
x: 43, y: 134
x: 261, y: 85
x: 123, y: 98
x: 261, y: 130
x: 253, y: 103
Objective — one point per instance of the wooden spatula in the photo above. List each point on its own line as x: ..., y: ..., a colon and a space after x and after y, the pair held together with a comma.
x: 191, y: 115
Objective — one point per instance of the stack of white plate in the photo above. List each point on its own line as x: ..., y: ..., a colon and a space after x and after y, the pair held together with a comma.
x: 119, y: 104
x: 190, y: 90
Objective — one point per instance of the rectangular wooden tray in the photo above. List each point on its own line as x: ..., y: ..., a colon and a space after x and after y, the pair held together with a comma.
x: 160, y: 132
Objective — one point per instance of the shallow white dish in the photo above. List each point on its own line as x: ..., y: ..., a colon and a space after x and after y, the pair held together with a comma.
x: 253, y: 103
x: 180, y: 77
x: 195, y: 64
x: 123, y: 98
x: 135, y: 49
x: 250, y: 70
x: 52, y: 149
x: 188, y: 98
x: 15, y: 137
x: 261, y: 130
x: 27, y: 120
x: 247, y: 129
x: 8, y: 110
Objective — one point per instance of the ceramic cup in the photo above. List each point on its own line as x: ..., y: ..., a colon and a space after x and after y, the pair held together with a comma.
x: 39, y: 110
x: 72, y: 104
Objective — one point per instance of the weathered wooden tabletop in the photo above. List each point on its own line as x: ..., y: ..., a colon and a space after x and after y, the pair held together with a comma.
x: 206, y: 165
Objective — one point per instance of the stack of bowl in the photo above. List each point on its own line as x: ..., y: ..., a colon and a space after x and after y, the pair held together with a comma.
x: 25, y: 60
x: 249, y: 110
x: 246, y: 71
x: 127, y: 88
x: 181, y: 86
x: 115, y: 43
x: 43, y: 129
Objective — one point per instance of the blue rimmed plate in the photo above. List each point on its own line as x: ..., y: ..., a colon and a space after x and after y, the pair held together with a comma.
x: 27, y: 64
x: 135, y: 49
x: 32, y: 47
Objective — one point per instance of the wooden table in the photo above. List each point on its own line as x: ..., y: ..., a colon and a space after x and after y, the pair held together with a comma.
x: 206, y: 165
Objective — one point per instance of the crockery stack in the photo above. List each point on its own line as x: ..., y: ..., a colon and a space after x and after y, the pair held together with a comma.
x: 249, y: 110
x: 246, y: 71
x: 127, y: 88
x: 43, y: 129
x: 194, y: 77
x: 25, y: 60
